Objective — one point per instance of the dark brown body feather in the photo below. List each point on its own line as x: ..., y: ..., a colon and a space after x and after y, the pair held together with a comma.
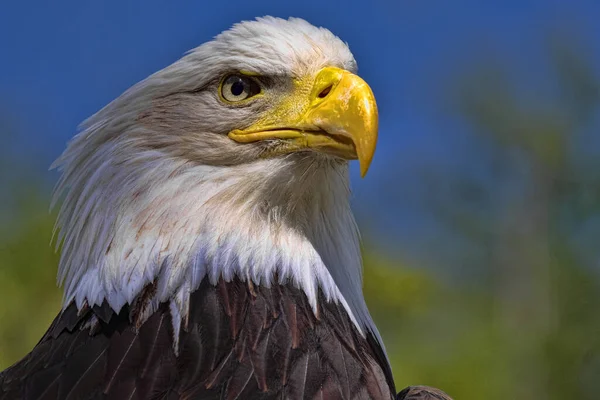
x: 241, y: 342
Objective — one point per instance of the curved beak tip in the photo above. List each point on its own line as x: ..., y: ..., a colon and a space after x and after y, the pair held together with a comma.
x: 364, y: 159
x: 364, y: 167
x: 367, y: 141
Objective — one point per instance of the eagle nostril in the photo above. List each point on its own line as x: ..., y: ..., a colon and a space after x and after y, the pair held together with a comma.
x: 325, y: 92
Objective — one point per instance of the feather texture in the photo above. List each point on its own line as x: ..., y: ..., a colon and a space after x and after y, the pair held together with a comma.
x: 241, y: 342
x: 422, y: 393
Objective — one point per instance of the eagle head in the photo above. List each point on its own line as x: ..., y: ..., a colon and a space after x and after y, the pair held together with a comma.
x: 232, y: 161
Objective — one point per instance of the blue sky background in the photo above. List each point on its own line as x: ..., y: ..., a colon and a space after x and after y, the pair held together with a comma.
x: 62, y: 61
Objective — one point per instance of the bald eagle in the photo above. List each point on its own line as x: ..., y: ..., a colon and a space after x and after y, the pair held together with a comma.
x: 208, y: 246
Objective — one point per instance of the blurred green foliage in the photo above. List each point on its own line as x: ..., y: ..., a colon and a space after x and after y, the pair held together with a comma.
x: 29, y: 296
x: 527, y: 328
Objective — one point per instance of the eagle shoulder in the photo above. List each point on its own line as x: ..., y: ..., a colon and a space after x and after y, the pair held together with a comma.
x: 239, y: 340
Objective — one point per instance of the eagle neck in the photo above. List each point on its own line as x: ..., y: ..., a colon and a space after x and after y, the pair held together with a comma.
x: 276, y: 221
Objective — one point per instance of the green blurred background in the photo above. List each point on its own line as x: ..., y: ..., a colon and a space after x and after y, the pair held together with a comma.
x: 497, y: 294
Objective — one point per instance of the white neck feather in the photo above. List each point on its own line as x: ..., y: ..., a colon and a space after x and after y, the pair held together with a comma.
x: 157, y: 220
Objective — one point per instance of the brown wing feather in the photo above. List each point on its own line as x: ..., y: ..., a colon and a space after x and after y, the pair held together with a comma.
x: 241, y: 342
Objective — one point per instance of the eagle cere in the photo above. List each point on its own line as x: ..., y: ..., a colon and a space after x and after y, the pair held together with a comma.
x: 208, y: 248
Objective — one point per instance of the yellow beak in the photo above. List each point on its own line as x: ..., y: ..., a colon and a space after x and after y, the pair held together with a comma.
x: 338, y: 117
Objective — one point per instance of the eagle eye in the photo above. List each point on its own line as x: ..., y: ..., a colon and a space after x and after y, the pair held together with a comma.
x: 236, y: 88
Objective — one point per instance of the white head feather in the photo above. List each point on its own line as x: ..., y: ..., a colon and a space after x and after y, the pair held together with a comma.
x: 155, y: 192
